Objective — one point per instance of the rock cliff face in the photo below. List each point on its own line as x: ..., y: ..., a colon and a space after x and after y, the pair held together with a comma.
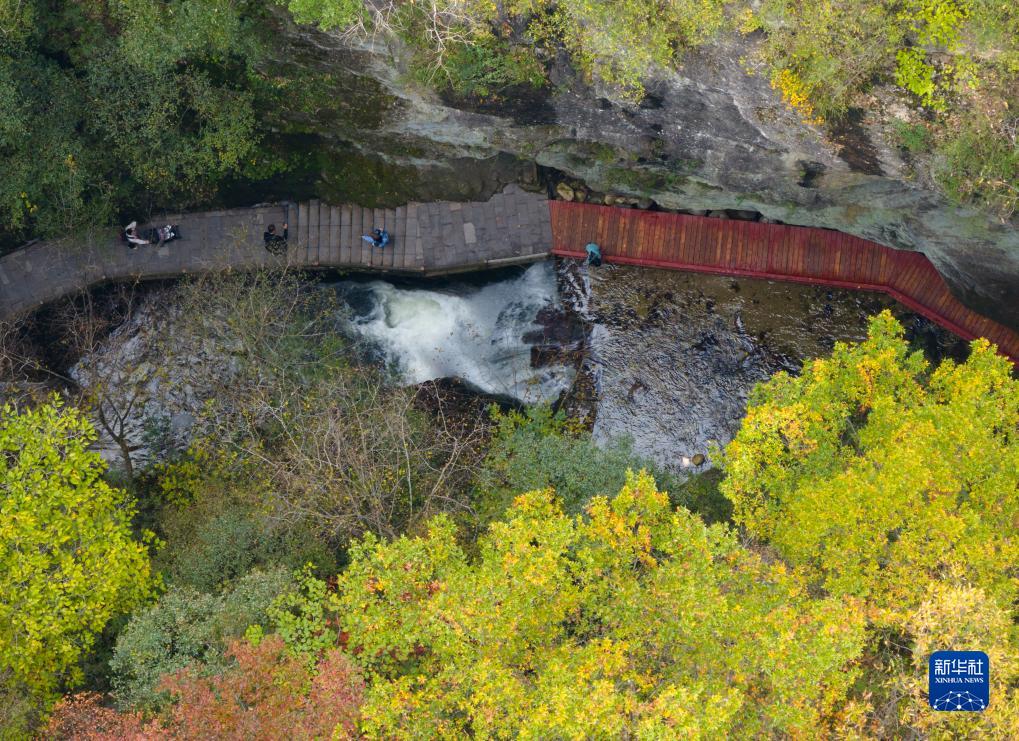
x: 710, y: 136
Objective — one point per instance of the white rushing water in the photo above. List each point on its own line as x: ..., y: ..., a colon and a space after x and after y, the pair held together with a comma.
x: 476, y: 333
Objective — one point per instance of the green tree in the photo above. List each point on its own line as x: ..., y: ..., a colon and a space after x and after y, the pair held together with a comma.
x: 114, y: 105
x: 69, y: 561
x: 214, y: 526
x: 188, y: 628
x: 877, y: 477
x: 48, y: 168
x: 633, y: 620
x: 618, y: 43
x: 537, y: 449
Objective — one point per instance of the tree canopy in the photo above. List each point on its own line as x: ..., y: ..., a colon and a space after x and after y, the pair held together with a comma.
x: 69, y: 560
x: 876, y: 476
x: 633, y: 620
x: 112, y: 105
x: 879, y: 498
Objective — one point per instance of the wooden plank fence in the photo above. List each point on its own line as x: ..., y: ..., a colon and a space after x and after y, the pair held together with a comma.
x: 772, y: 251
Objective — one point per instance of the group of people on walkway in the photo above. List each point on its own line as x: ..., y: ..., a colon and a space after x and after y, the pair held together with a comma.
x: 277, y: 243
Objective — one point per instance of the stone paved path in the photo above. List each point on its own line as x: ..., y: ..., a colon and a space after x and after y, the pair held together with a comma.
x: 427, y: 239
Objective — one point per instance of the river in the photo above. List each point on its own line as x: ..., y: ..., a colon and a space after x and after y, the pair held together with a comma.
x: 665, y: 358
x: 482, y: 331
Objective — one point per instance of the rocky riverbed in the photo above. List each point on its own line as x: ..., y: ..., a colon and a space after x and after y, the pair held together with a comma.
x: 670, y: 358
x: 665, y: 358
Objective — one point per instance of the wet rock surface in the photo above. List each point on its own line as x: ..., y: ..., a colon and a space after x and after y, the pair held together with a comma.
x: 671, y: 357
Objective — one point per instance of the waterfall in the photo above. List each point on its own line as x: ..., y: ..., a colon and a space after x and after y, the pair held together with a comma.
x: 483, y: 335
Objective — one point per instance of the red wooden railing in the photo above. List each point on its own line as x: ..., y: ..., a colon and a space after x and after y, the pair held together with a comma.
x: 773, y: 251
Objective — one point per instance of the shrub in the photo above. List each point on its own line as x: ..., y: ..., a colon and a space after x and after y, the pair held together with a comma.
x: 210, y: 546
x: 913, y: 138
x: 981, y: 164
x: 262, y: 692
x: 187, y: 627
x: 488, y: 67
x: 212, y: 528
x: 537, y: 449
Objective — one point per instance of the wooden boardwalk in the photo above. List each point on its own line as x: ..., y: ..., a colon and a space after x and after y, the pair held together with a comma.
x: 748, y: 248
x: 427, y: 239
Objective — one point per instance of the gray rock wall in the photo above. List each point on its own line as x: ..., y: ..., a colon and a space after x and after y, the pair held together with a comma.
x: 710, y: 136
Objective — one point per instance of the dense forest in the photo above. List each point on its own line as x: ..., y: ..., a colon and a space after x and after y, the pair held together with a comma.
x: 334, y: 554
x: 113, y: 108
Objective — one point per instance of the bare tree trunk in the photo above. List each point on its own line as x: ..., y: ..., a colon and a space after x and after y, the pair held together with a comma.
x: 341, y: 449
x: 91, y: 330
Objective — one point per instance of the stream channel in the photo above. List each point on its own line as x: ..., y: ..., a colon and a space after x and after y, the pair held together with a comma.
x: 665, y: 358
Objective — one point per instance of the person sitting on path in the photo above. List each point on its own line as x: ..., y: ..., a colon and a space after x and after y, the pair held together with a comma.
x: 168, y: 233
x: 159, y: 235
x: 378, y: 237
x: 593, y: 255
x: 132, y: 237
x: 275, y: 243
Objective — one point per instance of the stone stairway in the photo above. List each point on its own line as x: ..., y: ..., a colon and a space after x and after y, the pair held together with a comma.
x: 426, y: 239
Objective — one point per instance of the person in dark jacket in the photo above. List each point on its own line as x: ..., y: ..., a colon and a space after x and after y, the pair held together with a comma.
x: 275, y: 243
